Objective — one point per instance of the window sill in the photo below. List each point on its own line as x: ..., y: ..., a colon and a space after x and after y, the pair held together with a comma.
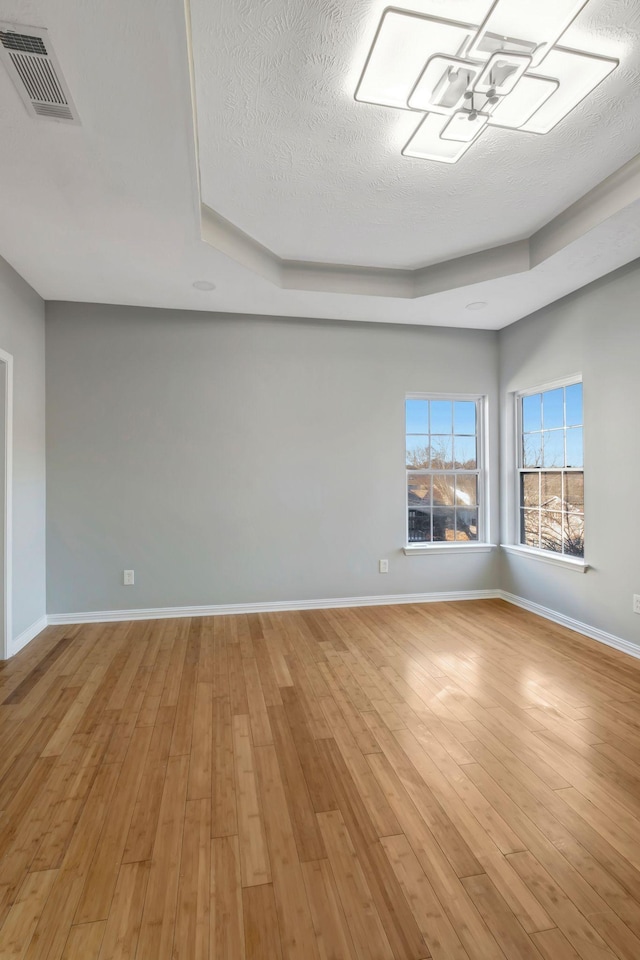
x: 569, y: 563
x: 425, y: 549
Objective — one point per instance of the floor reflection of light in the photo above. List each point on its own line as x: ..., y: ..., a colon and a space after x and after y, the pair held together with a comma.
x: 526, y: 685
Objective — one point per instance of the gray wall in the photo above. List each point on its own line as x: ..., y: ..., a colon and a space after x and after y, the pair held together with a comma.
x: 596, y: 332
x: 229, y: 459
x: 233, y: 460
x: 22, y: 334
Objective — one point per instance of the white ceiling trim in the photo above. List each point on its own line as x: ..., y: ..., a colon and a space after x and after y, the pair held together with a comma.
x: 614, y: 194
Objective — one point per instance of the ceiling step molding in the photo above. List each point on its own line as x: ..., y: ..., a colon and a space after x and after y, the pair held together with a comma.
x: 616, y: 193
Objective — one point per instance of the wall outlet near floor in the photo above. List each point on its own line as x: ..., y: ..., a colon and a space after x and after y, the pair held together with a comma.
x: 383, y: 566
x: 636, y: 603
x: 128, y: 578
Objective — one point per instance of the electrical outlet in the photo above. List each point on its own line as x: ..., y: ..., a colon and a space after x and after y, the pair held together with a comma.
x: 636, y: 603
x: 383, y: 566
x: 128, y: 578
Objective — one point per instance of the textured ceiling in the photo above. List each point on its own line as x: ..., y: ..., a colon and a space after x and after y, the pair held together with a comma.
x: 109, y: 211
x: 291, y: 159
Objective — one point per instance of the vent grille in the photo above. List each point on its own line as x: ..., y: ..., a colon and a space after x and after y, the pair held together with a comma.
x: 32, y: 65
x: 38, y: 77
x: 57, y: 111
x: 20, y: 41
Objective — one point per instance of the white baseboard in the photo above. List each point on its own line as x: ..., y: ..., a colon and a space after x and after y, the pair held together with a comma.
x: 162, y: 613
x: 15, y: 645
x: 586, y: 629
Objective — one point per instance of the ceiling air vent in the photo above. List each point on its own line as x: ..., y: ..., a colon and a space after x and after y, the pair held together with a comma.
x: 32, y: 65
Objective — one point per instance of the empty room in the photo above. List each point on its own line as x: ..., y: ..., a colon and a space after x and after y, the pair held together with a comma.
x: 319, y: 480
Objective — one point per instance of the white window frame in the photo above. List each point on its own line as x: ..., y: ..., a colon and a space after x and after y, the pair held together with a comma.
x: 578, y: 564
x: 481, y: 545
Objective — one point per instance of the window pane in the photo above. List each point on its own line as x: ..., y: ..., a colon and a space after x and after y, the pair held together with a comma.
x: 551, y: 491
x: 441, y: 416
x: 532, y: 450
x: 553, y: 408
x: 418, y: 490
x: 419, y: 509
x: 465, y: 453
x: 531, y: 413
x: 417, y: 453
x: 444, y: 489
x: 551, y: 531
x: 443, y: 524
x: 553, y: 445
x: 530, y: 492
x: 575, y: 457
x: 466, y: 524
x: 417, y: 416
x: 574, y: 405
x: 573, y: 535
x: 467, y: 491
x: 419, y: 525
x: 530, y: 534
x: 574, y: 492
x: 442, y: 453
x: 464, y: 417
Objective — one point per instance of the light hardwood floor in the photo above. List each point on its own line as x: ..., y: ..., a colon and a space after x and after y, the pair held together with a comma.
x: 385, y: 783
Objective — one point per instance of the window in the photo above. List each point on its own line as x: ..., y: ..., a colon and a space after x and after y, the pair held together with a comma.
x: 444, y: 469
x: 550, y: 470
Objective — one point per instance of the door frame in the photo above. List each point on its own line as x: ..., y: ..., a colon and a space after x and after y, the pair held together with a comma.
x: 7, y: 507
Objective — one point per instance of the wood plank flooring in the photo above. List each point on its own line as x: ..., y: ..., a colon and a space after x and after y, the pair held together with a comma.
x: 385, y: 783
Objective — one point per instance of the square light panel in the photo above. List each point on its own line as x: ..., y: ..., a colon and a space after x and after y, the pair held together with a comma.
x: 578, y: 74
x: 464, y: 127
x: 465, y: 78
x: 403, y: 43
x: 427, y: 142
x: 502, y: 73
x: 443, y: 85
x: 517, y: 109
x: 528, y: 28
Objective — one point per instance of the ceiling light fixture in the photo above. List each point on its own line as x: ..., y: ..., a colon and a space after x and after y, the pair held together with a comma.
x: 477, y: 305
x: 466, y: 78
x: 203, y: 285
